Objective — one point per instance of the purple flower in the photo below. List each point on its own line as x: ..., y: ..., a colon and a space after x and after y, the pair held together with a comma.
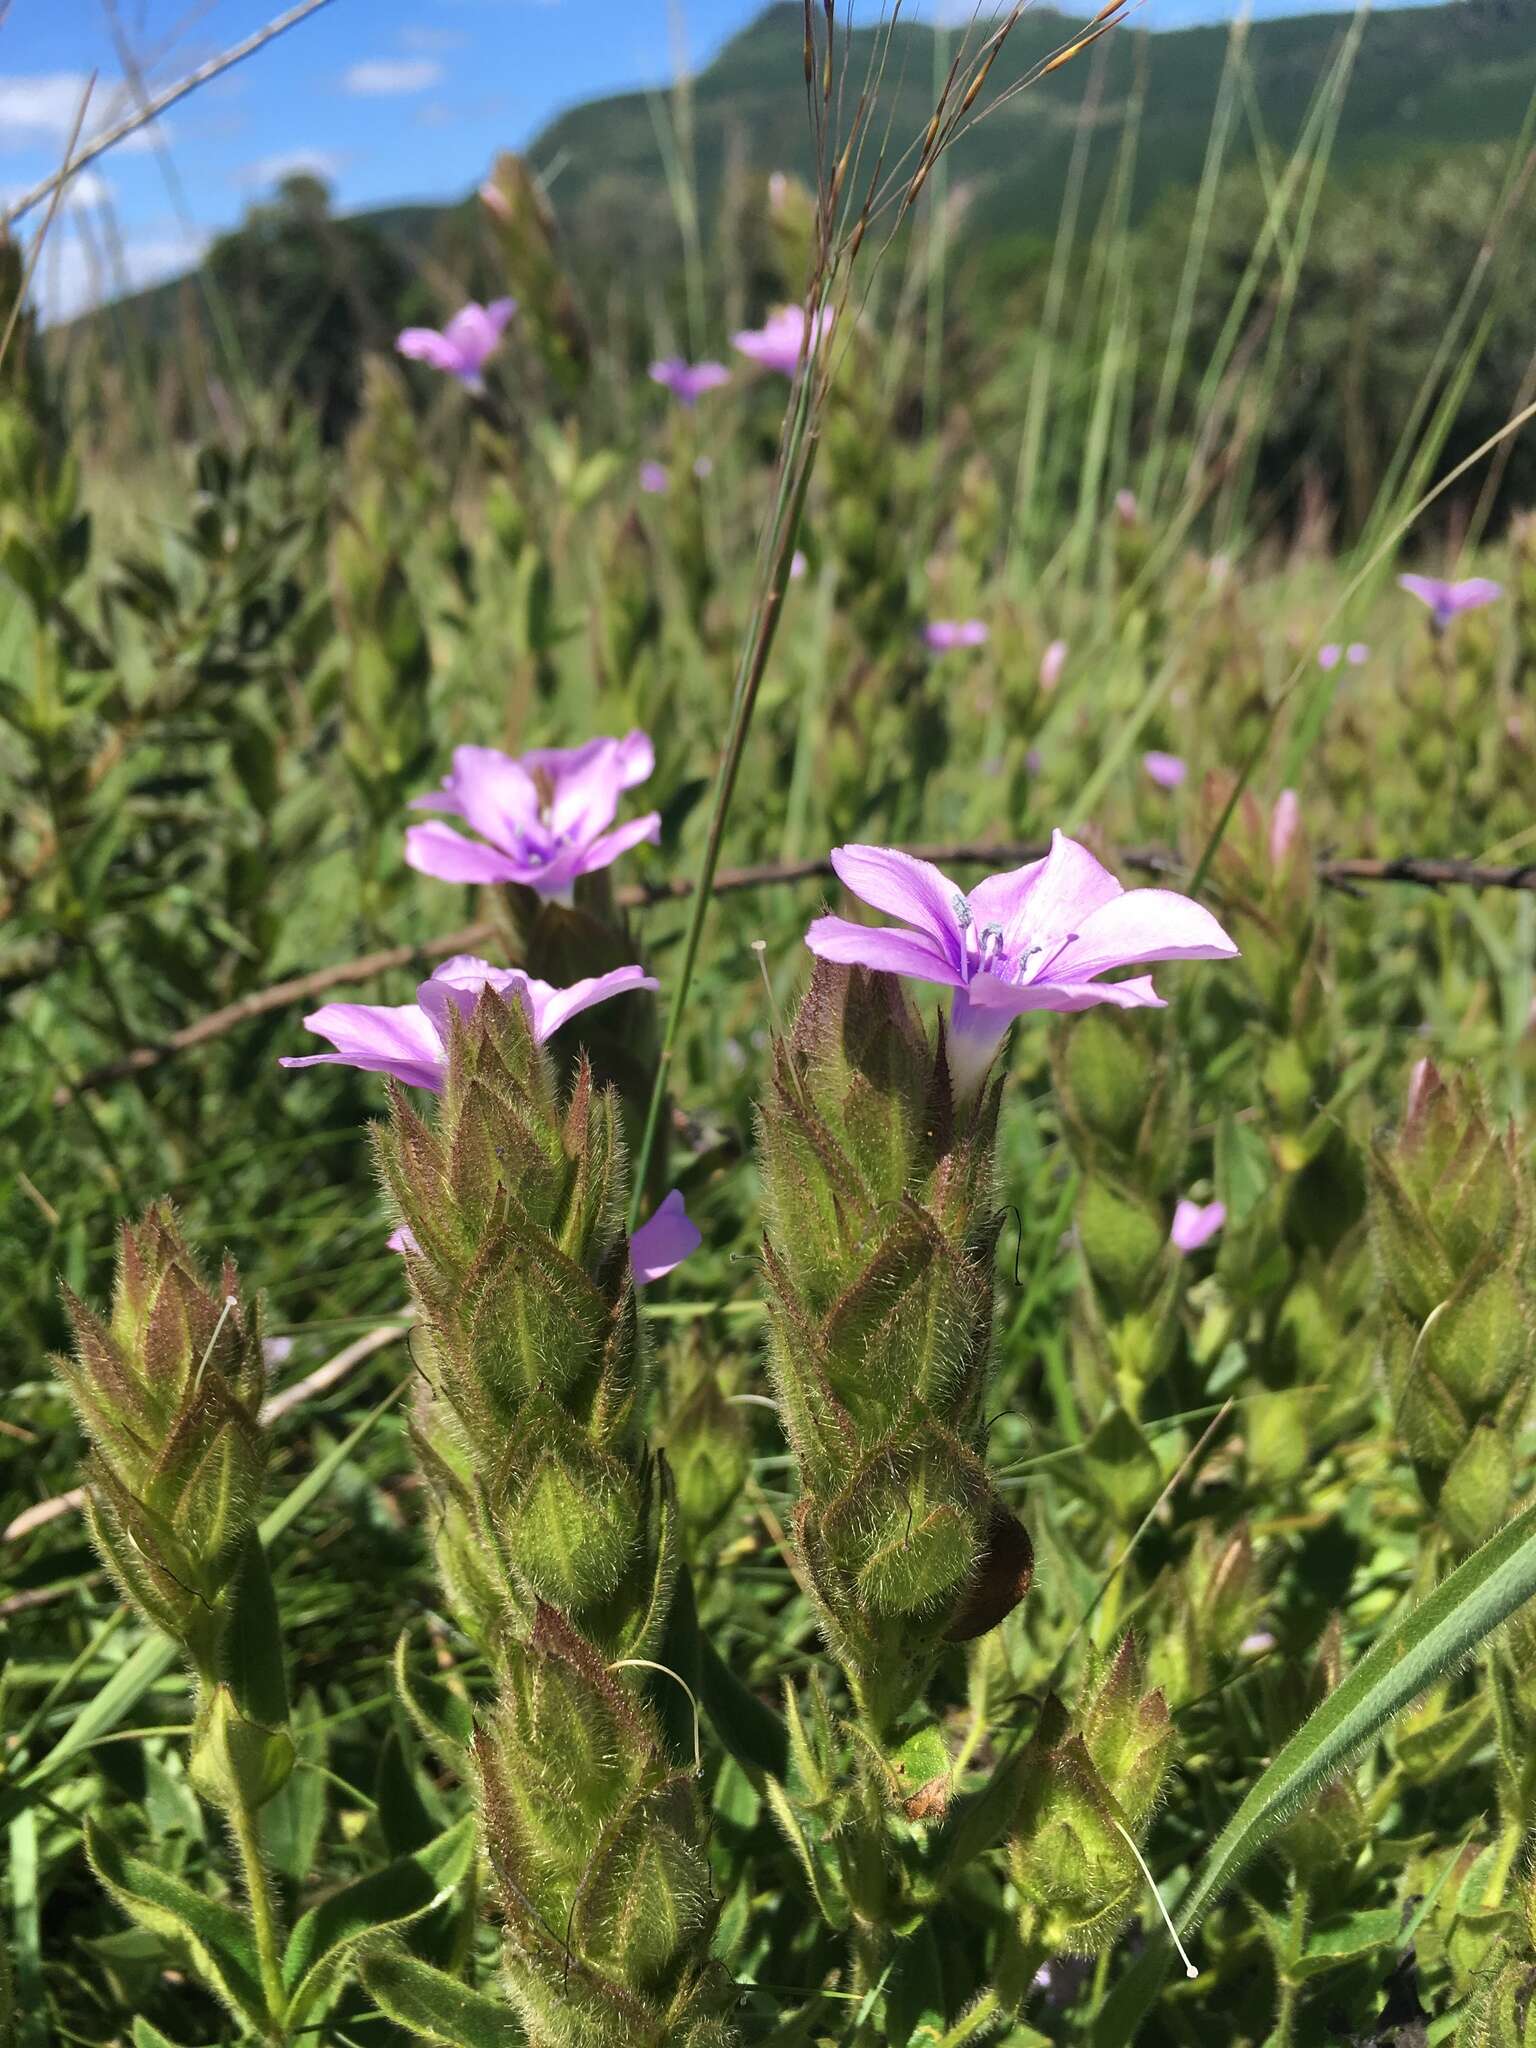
x: 1445, y: 599
x: 465, y: 345
x: 1052, y: 662
x: 545, y: 814
x: 1330, y: 654
x: 797, y: 565
x: 1038, y: 938
x: 410, y: 1041
x: 688, y: 382
x: 663, y: 1243
x: 656, y: 1249
x: 654, y: 478
x: 1259, y: 1644
x: 778, y: 344
x: 1166, y: 770
x: 1127, y: 511
x: 945, y: 636
x: 1194, y: 1226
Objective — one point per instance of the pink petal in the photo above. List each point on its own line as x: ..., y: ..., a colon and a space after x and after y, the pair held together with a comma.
x: 604, y: 851
x: 661, y: 1245
x: 1006, y: 998
x: 913, y: 890
x: 555, y: 1007
x: 457, y: 985
x: 1166, y: 770
x: 439, y: 851
x: 495, y: 795
x: 426, y: 345
x: 1046, y: 900
x: 881, y: 948
x: 379, y: 1040
x: 1141, y: 924
x: 1194, y: 1226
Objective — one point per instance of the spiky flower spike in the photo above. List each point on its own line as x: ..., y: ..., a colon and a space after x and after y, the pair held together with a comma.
x: 557, y: 1538
x: 169, y: 1391
x: 882, y: 1225
x: 1452, y: 1217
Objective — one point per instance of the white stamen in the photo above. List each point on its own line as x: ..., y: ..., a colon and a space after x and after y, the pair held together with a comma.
x: 1189, y: 1968
x: 962, y: 910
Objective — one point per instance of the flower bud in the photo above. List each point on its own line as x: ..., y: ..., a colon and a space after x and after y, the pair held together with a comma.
x: 878, y: 1262
x: 1091, y: 1782
x: 169, y: 1391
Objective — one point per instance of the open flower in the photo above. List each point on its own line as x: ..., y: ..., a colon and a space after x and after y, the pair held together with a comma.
x: 1195, y: 1224
x: 662, y: 1244
x: 656, y: 1248
x: 1038, y: 938
x: 947, y: 636
x: 410, y: 1040
x: 465, y: 345
x: 1446, y: 600
x: 688, y: 382
x: 778, y: 344
x: 545, y: 814
x: 1166, y: 770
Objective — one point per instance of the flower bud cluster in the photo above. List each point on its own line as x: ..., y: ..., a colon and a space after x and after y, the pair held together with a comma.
x: 882, y: 1226
x: 557, y: 1536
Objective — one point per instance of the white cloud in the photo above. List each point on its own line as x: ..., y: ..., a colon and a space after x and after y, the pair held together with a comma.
x: 40, y: 109
x: 291, y: 163
x: 69, y: 281
x: 382, y: 77
x: 432, y: 39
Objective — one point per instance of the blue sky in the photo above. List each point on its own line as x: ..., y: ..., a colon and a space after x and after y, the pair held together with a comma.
x: 389, y: 99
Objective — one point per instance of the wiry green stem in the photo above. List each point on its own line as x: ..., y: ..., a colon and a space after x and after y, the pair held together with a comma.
x: 258, y: 1891
x: 795, y: 475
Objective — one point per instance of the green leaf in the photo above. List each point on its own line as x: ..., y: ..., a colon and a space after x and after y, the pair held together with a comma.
x: 217, y: 1937
x: 329, y: 1936
x: 442, y: 1717
x: 253, y: 1654
x: 1404, y: 1661
x: 435, y: 2006
x: 750, y: 1730
x: 146, y: 2036
x: 292, y: 1821
x: 1334, y: 1943
x: 832, y: 1906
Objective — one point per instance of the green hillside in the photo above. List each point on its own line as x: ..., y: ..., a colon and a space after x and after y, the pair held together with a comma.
x: 1426, y: 78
